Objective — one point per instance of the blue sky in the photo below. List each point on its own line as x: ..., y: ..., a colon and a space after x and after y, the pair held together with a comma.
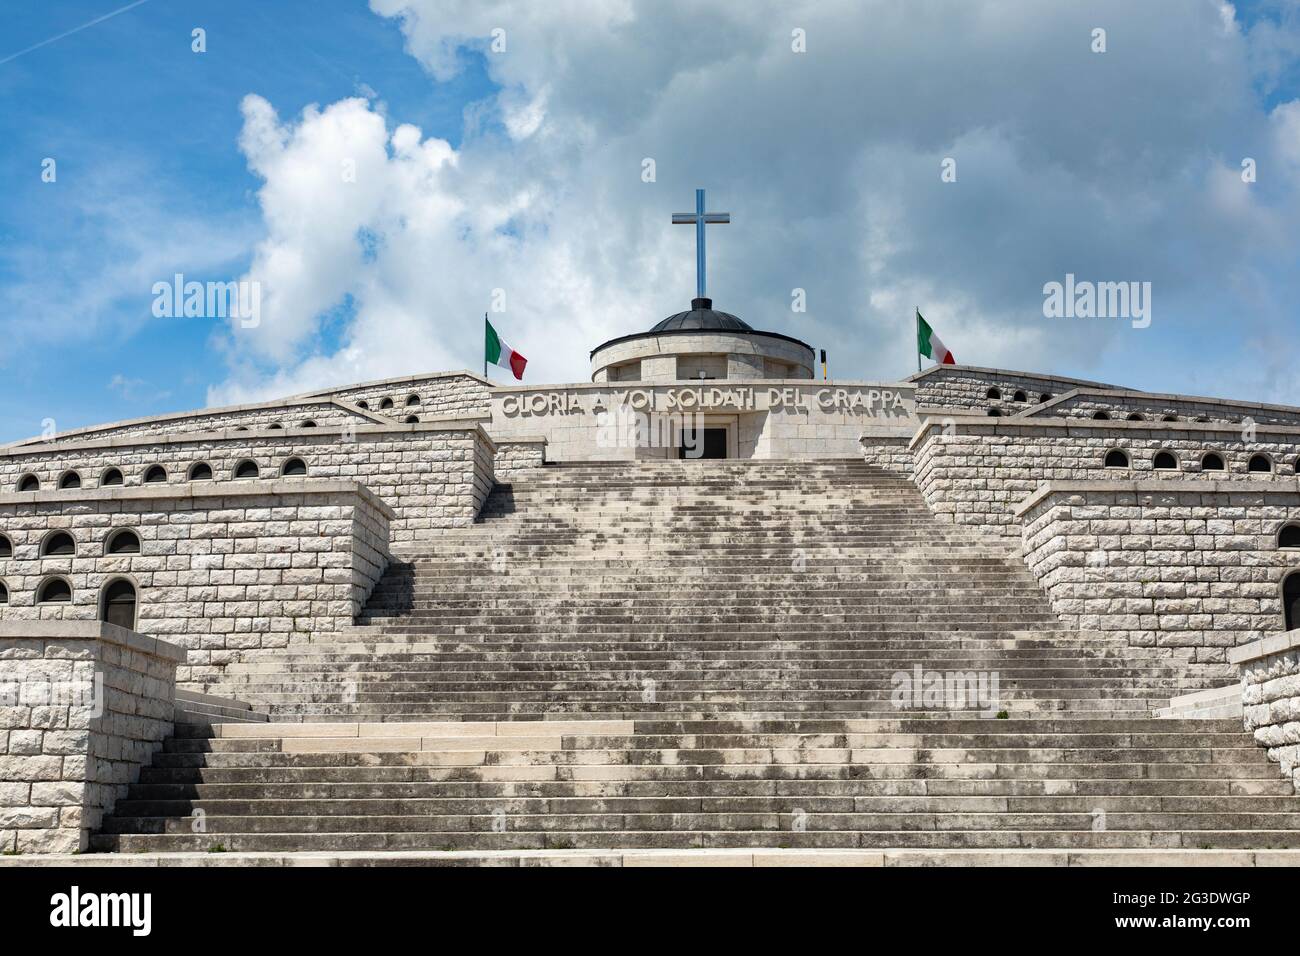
x: 140, y: 125
x: 520, y: 170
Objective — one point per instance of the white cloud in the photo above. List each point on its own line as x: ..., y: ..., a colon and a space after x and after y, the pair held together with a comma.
x: 1112, y: 166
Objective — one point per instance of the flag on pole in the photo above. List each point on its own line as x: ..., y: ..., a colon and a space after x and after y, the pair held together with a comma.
x: 929, y: 344
x: 498, y: 353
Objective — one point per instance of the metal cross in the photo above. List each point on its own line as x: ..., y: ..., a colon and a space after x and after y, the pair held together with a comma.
x: 698, y: 219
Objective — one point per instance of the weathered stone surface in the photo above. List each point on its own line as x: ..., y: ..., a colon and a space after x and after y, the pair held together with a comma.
x: 56, y: 784
x: 1078, y: 540
x: 253, y: 564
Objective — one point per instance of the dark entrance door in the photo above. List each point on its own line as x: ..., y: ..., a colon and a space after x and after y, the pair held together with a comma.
x: 1291, y: 600
x: 706, y: 443
x: 119, y: 604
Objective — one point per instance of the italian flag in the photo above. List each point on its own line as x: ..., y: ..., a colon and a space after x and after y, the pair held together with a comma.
x: 498, y: 353
x: 929, y: 344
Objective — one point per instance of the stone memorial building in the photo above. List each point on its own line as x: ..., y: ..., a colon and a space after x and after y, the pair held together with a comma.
x: 706, y: 602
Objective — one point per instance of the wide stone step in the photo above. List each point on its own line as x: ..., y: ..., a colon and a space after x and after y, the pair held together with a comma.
x: 382, y: 672
x: 865, y: 630
x: 879, y: 691
x: 438, y: 768
x: 1146, y: 793
x: 873, y: 806
x: 855, y: 822
x: 344, y: 711
x: 917, y: 644
x: 920, y: 839
x: 579, y: 735
x: 509, y: 679
x: 720, y: 857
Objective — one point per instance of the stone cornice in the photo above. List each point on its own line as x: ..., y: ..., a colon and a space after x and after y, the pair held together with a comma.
x: 285, y: 403
x: 202, y: 491
x: 1264, y: 647
x: 707, y: 383
x: 1006, y: 425
x: 1151, y: 398
x: 1167, y: 486
x: 400, y: 380
x: 455, y: 423
x: 328, y: 396
x: 97, y: 631
x: 1040, y: 376
x: 521, y: 440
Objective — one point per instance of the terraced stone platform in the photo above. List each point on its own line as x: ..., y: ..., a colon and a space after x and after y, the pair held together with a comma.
x: 699, y: 589
x: 702, y: 655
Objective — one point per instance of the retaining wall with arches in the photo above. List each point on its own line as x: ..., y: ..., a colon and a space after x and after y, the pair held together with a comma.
x: 975, y: 470
x: 1193, y: 567
x: 219, y: 569
x: 432, y: 474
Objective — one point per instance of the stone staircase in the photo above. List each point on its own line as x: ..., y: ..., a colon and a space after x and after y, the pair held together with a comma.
x: 698, y: 590
x: 705, y: 654
x: 196, y: 708
x: 911, y: 783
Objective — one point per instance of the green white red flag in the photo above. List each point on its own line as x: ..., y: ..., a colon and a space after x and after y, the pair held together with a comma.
x: 498, y: 353
x: 929, y: 344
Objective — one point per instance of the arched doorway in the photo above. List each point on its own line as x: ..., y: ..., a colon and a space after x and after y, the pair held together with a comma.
x: 119, y: 604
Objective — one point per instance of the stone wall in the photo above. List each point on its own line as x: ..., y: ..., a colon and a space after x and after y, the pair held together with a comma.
x: 766, y: 419
x: 1191, y: 565
x: 678, y: 355
x: 887, y: 451
x: 966, y: 386
x: 482, y: 476
x: 974, y: 470
x: 444, y: 395
x: 518, y: 454
x: 433, y: 475
x: 83, y: 705
x: 1270, y: 695
x: 458, y: 394
x: 287, y: 415
x: 1119, y: 404
x: 222, y: 567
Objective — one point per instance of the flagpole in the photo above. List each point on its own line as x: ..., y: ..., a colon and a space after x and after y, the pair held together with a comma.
x: 485, y: 327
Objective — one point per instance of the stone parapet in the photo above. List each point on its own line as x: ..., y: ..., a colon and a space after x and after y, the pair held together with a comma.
x: 431, y: 474
x: 1270, y: 695
x: 967, y: 387
x: 441, y: 395
x: 221, y: 568
x: 84, y: 705
x: 1120, y: 403
x: 522, y: 453
x: 1191, y: 566
x: 973, y: 470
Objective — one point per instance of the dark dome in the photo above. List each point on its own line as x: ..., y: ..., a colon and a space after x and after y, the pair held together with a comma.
x: 701, y: 317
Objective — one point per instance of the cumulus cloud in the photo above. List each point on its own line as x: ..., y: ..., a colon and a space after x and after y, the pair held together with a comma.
x: 1121, y: 165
